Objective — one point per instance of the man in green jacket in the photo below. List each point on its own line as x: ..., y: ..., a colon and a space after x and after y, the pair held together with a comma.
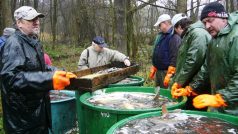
x: 191, y: 58
x: 222, y: 59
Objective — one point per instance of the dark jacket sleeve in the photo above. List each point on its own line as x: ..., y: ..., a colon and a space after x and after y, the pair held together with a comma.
x: 14, y: 74
x: 174, y: 44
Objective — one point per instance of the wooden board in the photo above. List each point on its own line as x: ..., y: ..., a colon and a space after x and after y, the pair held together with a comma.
x: 100, y: 81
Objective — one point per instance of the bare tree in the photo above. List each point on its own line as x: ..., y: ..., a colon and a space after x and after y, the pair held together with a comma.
x: 181, y: 6
x: 53, y: 20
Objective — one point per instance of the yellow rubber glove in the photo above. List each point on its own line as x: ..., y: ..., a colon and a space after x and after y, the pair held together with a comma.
x: 61, y: 79
x: 206, y: 100
x: 153, y: 70
x: 175, y: 86
x: 187, y: 91
x: 170, y: 72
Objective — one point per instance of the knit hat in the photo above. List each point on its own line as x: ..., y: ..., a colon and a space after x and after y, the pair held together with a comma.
x: 214, y: 9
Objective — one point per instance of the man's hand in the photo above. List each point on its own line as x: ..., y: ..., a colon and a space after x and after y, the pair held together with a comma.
x: 61, y: 79
x: 153, y: 70
x: 127, y: 62
x: 170, y: 72
x: 187, y: 91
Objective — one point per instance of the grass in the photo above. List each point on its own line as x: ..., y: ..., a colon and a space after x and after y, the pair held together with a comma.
x: 67, y: 56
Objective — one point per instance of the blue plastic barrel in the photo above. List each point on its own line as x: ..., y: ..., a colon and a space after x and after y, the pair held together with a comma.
x: 63, y: 112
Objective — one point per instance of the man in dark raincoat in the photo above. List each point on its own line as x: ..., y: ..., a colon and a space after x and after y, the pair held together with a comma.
x: 222, y: 60
x: 26, y: 79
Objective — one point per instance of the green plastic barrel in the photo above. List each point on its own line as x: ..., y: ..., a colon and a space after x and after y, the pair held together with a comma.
x: 98, y: 119
x: 63, y: 113
x: 139, y: 81
x: 225, y: 117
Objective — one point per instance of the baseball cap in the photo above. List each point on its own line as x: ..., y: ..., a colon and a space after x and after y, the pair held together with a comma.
x: 27, y: 13
x: 162, y: 18
x: 177, y: 18
x: 99, y: 41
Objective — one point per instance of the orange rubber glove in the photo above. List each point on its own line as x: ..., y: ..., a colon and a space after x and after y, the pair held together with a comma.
x: 206, y: 100
x: 153, y: 70
x: 187, y: 91
x: 61, y: 79
x: 70, y: 75
x: 170, y: 72
x: 174, y: 88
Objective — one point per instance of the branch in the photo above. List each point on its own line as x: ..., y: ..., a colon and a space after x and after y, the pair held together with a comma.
x: 150, y: 3
x: 197, y: 6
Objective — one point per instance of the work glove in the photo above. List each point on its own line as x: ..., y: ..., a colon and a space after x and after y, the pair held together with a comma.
x: 187, y: 91
x: 175, y: 87
x: 170, y: 72
x: 206, y: 100
x: 61, y: 79
x: 127, y: 62
x: 153, y: 70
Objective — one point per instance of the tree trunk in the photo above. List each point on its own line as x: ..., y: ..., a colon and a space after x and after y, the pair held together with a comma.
x: 120, y: 31
x: 54, y: 22
x: 85, y: 26
x: 113, y: 22
x: 181, y: 6
x: 22, y: 2
x: 36, y: 4
x: 13, y: 7
x: 2, y: 15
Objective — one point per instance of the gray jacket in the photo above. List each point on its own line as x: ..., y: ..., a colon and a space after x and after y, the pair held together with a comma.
x: 90, y: 58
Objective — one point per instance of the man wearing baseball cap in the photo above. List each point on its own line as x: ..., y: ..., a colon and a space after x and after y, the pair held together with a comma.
x: 26, y: 79
x: 165, y: 52
x: 191, y: 58
x: 98, y: 55
x: 222, y: 60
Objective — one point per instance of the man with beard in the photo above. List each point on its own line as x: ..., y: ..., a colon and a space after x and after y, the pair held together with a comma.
x: 26, y: 79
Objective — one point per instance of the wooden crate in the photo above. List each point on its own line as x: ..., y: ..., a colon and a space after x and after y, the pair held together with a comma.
x: 97, y: 82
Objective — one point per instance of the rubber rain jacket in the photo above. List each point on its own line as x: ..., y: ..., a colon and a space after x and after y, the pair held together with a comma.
x: 223, y: 65
x: 25, y: 86
x: 191, y: 57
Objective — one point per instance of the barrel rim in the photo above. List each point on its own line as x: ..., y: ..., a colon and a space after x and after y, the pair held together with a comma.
x: 84, y: 97
x: 224, y: 117
x: 68, y: 92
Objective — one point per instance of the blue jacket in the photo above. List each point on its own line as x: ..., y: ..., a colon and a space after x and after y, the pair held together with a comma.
x: 165, y: 50
x: 2, y: 40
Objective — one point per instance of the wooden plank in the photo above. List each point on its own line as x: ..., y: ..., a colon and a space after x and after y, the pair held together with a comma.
x: 92, y: 84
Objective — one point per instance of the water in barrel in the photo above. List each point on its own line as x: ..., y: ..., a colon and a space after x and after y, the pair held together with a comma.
x: 129, y: 100
x: 178, y: 123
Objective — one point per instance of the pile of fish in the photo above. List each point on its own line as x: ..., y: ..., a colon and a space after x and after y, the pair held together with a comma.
x: 57, y: 95
x: 129, y: 100
x: 177, y: 123
x: 106, y: 71
x: 127, y: 80
x: 109, y: 70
